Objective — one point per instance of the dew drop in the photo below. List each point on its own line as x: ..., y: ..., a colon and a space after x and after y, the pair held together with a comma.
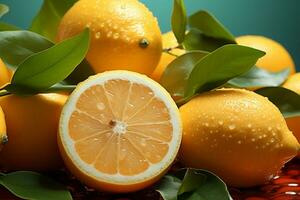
x: 88, y: 25
x: 231, y: 127
x: 97, y: 35
x: 253, y: 139
x: 220, y: 123
x: 109, y: 34
x: 239, y: 142
x: 269, y: 128
x: 116, y: 36
x: 100, y: 106
x: 249, y: 125
x: 206, y: 124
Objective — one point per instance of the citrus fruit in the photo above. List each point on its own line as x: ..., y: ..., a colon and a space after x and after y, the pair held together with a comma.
x: 3, y: 136
x: 124, y: 34
x: 169, y: 42
x: 119, y: 131
x: 293, y: 83
x: 237, y: 134
x: 5, y: 74
x: 32, y: 125
x: 277, y: 57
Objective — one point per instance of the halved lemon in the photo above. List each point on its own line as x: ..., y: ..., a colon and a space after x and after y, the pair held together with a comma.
x: 119, y: 131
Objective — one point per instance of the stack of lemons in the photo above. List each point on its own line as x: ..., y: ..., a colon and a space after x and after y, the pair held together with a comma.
x: 120, y: 131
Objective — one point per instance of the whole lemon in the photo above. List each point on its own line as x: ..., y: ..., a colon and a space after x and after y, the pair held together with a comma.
x: 293, y: 83
x: 237, y: 134
x: 124, y: 34
x: 32, y: 125
x: 277, y: 57
x: 169, y: 42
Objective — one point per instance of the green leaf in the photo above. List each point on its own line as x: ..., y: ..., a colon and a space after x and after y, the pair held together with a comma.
x: 168, y: 187
x: 32, y: 185
x: 196, y: 40
x: 286, y: 100
x: 175, y: 77
x: 258, y: 77
x: 202, y: 185
x: 3, y: 9
x: 210, y: 26
x: 44, y: 69
x: 196, y: 184
x: 220, y: 66
x: 179, y: 20
x: 7, y: 27
x: 16, y: 46
x: 49, y: 16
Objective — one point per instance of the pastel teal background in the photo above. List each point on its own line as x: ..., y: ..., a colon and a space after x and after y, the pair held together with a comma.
x: 277, y: 19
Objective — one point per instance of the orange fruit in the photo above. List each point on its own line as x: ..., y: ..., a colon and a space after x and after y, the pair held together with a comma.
x: 237, y: 134
x: 169, y: 42
x: 5, y: 74
x: 277, y: 57
x: 293, y: 83
x: 32, y: 124
x: 124, y: 34
x: 119, y: 131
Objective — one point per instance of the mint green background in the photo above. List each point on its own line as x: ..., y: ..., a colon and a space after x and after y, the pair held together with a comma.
x: 277, y: 19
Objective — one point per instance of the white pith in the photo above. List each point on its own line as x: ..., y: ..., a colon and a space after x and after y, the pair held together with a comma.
x: 160, y: 93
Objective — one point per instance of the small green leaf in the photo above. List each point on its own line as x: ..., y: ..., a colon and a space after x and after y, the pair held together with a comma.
x: 49, y: 16
x: 175, y: 77
x: 203, y: 185
x: 196, y: 184
x: 32, y: 185
x: 286, y: 100
x: 220, y: 66
x: 196, y: 40
x: 44, y: 69
x: 258, y: 77
x: 168, y: 187
x: 210, y: 26
x: 8, y: 27
x: 179, y: 20
x: 3, y: 9
x: 16, y: 46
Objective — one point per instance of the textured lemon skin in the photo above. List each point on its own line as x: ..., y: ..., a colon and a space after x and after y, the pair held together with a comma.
x: 277, y: 58
x: 117, y: 29
x: 237, y: 134
x: 32, y: 124
x: 293, y: 83
x: 169, y: 41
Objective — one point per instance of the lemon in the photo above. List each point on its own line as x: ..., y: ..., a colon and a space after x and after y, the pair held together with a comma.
x: 237, y: 134
x: 124, y: 34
